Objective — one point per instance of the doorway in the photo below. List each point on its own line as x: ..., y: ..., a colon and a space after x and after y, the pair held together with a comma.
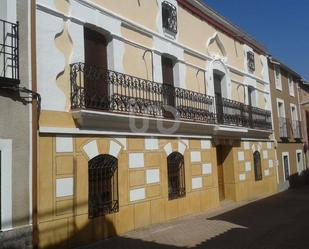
x: 168, y: 86
x: 222, y: 154
x: 96, y: 85
x: 218, y: 95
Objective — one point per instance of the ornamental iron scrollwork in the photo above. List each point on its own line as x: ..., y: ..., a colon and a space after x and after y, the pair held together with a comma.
x: 169, y: 17
x: 100, y: 89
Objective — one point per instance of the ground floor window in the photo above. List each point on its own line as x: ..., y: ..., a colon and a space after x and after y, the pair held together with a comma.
x: 176, y: 176
x: 299, y: 161
x: 257, y: 166
x: 103, y: 185
x: 286, y: 167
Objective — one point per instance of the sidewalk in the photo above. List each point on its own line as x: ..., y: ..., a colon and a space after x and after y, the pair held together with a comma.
x: 276, y: 222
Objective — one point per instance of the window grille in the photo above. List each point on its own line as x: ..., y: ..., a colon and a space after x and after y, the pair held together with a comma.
x: 176, y: 176
x: 169, y: 17
x: 257, y: 166
x: 250, y: 61
x: 103, y: 186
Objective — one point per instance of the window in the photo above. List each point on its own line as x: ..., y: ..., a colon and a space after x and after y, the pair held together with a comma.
x: 286, y: 165
x: 291, y: 86
x: 257, y: 166
x: 176, y: 176
x: 168, y: 87
x: 250, y: 61
x: 299, y: 161
x: 169, y: 17
x: 283, y: 123
x: 103, y: 185
x: 296, y: 125
x: 277, y: 77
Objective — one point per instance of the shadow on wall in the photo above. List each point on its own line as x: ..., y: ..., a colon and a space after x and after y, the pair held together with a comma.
x: 299, y: 180
x: 280, y: 221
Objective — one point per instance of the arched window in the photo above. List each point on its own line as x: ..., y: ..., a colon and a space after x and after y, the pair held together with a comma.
x: 176, y: 176
x: 103, y: 185
x: 257, y: 166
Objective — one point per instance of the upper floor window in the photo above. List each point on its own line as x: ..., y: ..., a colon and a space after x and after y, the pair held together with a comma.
x: 250, y: 61
x: 277, y: 77
x: 291, y: 86
x: 176, y: 176
x: 103, y: 186
x: 169, y: 17
x: 257, y: 166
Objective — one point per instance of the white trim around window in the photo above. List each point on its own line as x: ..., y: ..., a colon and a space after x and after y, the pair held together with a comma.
x: 6, y: 184
x: 281, y: 101
x: 277, y: 75
x: 282, y: 160
x: 294, y: 114
x: 300, y: 167
x: 291, y: 86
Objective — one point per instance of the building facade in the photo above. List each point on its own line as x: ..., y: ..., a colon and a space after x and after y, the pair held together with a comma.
x: 15, y: 125
x: 151, y: 110
x: 284, y: 84
x: 303, y: 89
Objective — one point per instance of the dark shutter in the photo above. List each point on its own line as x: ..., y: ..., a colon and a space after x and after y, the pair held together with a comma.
x: 218, y: 95
x: 96, y: 86
x: 257, y: 166
x: 168, y: 85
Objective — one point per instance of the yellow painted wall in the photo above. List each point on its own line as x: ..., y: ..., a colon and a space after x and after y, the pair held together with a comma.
x: 71, y: 213
x: 142, y: 11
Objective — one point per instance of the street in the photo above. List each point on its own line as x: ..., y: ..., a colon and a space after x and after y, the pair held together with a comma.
x: 277, y: 222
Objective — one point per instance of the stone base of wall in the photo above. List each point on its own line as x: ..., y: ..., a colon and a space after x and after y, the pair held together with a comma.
x: 18, y: 238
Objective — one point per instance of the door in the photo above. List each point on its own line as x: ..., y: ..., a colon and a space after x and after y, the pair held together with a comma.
x: 96, y: 86
x: 218, y: 96
x: 286, y: 167
x: 168, y: 86
x: 220, y: 160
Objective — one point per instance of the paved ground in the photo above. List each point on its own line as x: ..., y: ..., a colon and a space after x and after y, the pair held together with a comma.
x: 277, y: 222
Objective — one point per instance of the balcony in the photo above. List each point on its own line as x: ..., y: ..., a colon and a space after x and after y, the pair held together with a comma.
x: 9, y: 54
x: 124, y: 95
x: 284, y: 131
x: 296, y: 125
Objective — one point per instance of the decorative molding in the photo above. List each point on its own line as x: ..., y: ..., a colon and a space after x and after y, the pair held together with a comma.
x: 215, y: 38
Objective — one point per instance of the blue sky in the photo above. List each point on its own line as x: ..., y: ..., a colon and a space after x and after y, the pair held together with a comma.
x: 280, y: 25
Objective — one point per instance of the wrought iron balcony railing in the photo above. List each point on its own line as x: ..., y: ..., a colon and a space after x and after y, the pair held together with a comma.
x: 97, y: 88
x: 9, y: 54
x: 231, y: 112
x: 106, y: 90
x: 296, y: 125
x: 284, y: 131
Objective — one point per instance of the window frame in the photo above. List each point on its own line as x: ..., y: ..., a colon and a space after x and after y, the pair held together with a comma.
x: 251, y: 61
x: 257, y: 167
x: 169, y: 10
x: 301, y: 168
x: 278, y: 81
x: 291, y: 86
x: 100, y: 166
x: 180, y: 191
x: 289, y: 166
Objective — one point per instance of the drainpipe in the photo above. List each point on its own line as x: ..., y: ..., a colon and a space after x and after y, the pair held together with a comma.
x: 35, y: 238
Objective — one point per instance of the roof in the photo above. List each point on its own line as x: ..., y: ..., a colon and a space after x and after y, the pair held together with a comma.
x: 284, y: 66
